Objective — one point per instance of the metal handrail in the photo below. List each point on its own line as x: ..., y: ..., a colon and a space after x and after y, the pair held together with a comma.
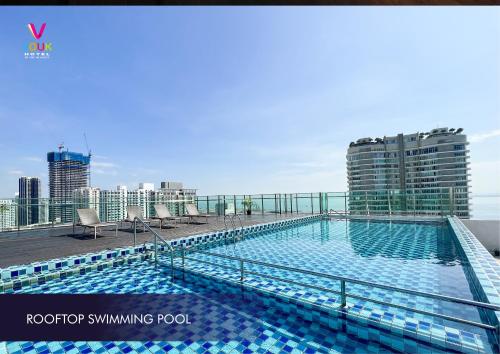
x: 225, y: 224
x: 156, y: 238
x: 241, y: 225
x: 344, y: 294
x: 233, y: 223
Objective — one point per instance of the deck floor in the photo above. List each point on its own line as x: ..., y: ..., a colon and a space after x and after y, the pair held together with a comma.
x: 27, y: 246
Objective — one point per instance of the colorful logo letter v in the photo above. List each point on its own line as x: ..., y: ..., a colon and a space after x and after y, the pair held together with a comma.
x: 33, y: 30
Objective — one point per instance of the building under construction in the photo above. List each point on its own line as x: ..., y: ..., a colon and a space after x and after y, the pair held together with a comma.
x: 67, y: 172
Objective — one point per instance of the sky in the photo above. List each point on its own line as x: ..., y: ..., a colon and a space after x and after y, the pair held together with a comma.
x: 243, y: 100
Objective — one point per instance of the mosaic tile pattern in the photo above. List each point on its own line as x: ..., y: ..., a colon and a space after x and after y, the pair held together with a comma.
x: 484, y: 268
x: 423, y: 257
x: 264, y: 325
x: 96, y: 273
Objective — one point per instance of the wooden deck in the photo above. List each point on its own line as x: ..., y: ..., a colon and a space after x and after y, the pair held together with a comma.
x: 22, y: 247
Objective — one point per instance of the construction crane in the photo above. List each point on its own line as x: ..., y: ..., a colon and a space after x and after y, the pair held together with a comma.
x: 90, y: 155
x: 60, y: 146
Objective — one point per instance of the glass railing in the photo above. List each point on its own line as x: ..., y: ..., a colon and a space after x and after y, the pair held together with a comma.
x: 388, y: 202
x: 18, y: 214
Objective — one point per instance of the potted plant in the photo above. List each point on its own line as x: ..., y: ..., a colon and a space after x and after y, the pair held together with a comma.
x: 247, y: 203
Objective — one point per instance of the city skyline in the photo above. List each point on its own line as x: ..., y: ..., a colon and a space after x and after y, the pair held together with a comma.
x: 280, y: 121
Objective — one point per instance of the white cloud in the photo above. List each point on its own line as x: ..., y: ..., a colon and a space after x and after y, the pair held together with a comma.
x: 33, y: 159
x: 480, y: 137
x: 100, y: 171
x: 15, y: 172
x: 103, y: 168
x: 103, y: 165
x: 305, y: 167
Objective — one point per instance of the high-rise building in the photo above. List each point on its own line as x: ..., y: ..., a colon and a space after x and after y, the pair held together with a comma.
x: 421, y: 172
x: 67, y: 172
x: 175, y: 196
x: 142, y: 197
x: 7, y: 214
x: 113, y: 204
x: 87, y: 198
x: 30, y: 192
x: 44, y: 211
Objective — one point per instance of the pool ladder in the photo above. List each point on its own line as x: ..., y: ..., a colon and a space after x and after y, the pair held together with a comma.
x: 156, y: 238
x: 240, y: 233
x: 335, y: 212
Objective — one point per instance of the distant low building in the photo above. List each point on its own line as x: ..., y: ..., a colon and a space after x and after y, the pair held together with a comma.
x: 87, y: 198
x: 425, y: 172
x: 142, y: 197
x: 114, y: 204
x: 147, y: 186
x: 175, y: 196
x: 7, y: 214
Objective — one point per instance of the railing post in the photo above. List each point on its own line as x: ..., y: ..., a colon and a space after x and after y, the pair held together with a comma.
x: 452, y: 199
x: 498, y: 336
x: 156, y: 251
x: 262, y: 202
x: 135, y: 232
x: 366, y: 204
x: 343, y: 301
x: 345, y: 203
x: 312, y: 204
x: 389, y: 201
x: 171, y: 262
x: 242, y: 271
x: 414, y: 204
x: 183, y: 254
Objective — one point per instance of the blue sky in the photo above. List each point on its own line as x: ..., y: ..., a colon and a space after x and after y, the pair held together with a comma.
x: 243, y: 100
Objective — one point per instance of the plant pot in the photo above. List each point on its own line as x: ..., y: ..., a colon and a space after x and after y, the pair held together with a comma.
x: 249, y: 212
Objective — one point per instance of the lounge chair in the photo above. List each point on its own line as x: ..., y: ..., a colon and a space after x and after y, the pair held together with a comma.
x: 163, y: 214
x: 89, y: 218
x: 192, y: 212
x: 134, y: 211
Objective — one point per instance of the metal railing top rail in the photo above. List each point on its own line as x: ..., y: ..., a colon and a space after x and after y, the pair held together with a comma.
x: 345, y: 280
x: 146, y: 225
x: 394, y: 192
x: 155, y: 242
x: 333, y: 211
x: 361, y: 282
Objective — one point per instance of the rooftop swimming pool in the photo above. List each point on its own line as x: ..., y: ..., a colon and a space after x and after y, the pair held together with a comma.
x: 425, y: 257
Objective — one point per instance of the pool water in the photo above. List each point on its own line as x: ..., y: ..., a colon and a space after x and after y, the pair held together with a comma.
x: 424, y: 257
x: 418, y: 256
x: 261, y: 328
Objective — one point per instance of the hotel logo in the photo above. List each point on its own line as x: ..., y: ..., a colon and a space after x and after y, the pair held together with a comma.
x: 38, y: 49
